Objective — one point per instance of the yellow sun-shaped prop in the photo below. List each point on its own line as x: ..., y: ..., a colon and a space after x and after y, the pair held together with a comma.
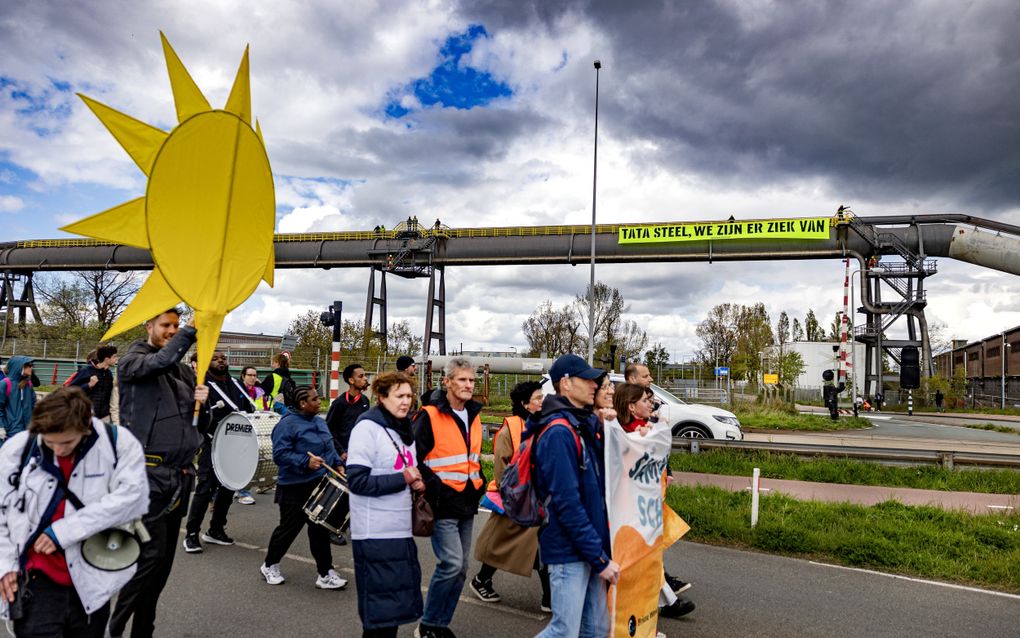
x: 209, y: 208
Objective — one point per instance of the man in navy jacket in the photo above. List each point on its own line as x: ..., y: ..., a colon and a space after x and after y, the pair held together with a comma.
x: 570, y: 469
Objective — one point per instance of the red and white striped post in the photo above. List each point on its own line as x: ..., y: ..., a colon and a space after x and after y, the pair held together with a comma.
x: 334, y: 372
x: 844, y: 327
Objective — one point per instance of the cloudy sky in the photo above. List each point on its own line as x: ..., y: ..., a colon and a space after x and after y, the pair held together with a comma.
x: 481, y: 113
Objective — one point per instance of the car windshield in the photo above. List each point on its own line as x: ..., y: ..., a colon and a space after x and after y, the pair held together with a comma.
x: 665, y: 396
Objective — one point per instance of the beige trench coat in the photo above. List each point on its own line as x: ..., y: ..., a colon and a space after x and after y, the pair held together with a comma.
x: 502, y: 543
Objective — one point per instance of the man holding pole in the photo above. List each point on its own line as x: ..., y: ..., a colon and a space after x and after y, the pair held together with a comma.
x: 157, y: 400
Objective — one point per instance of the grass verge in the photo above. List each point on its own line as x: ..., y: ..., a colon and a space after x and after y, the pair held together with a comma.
x: 920, y: 541
x: 775, y: 416
x: 846, y: 471
x: 992, y: 427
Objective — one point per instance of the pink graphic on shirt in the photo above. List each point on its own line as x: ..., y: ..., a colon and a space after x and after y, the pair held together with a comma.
x: 404, y: 459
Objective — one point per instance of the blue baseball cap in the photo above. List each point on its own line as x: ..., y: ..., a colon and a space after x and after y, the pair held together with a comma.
x: 571, y: 365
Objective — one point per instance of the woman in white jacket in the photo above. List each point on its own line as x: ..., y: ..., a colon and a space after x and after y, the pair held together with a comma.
x: 41, y: 531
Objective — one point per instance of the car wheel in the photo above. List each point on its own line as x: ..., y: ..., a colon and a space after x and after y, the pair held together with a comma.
x: 689, y: 431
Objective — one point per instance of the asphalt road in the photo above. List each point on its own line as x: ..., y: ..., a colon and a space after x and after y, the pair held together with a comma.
x: 893, y: 425
x: 221, y: 593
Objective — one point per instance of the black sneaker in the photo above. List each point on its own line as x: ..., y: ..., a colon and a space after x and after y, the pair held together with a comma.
x: 217, y: 537
x: 337, y: 539
x: 484, y: 590
x: 428, y: 631
x: 546, y: 606
x: 678, y: 586
x: 680, y: 607
x: 192, y: 545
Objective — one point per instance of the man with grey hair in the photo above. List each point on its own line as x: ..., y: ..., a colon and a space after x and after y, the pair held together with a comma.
x: 448, y: 441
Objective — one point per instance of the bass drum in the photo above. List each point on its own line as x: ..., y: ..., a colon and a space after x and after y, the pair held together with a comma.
x: 266, y: 470
x: 242, y: 450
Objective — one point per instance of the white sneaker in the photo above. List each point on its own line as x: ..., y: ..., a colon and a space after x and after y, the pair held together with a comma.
x: 332, y: 580
x: 272, y: 574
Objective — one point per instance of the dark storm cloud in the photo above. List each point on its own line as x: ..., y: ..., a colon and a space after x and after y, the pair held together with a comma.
x: 449, y: 146
x: 884, y: 100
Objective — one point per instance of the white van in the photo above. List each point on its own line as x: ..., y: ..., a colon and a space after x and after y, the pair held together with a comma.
x: 692, y: 420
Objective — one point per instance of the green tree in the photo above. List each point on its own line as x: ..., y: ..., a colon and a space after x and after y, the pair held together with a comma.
x: 812, y: 329
x: 401, y: 340
x: 313, y: 339
x: 754, y: 336
x: 656, y: 358
x: 783, y: 329
x: 718, y: 334
x: 791, y: 366
x: 797, y: 332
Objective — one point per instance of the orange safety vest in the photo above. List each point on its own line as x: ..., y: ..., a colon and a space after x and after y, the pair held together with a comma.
x: 516, y: 425
x: 450, y: 459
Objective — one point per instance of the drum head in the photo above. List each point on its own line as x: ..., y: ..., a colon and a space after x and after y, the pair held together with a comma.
x: 235, y: 451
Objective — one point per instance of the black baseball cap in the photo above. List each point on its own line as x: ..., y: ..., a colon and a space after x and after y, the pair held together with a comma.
x: 571, y: 365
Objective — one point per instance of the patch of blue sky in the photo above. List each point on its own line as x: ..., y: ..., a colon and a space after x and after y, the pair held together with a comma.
x: 451, y: 83
x: 44, y: 110
x: 317, y: 191
x: 46, y: 209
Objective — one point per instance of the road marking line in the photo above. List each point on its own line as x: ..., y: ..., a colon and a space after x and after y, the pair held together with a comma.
x: 513, y: 611
x: 1000, y: 507
x: 936, y: 583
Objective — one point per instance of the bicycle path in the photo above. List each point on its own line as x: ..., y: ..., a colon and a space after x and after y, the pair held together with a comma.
x: 974, y: 502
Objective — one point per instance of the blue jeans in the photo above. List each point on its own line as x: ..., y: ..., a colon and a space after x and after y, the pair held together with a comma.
x: 451, y: 542
x: 574, y: 614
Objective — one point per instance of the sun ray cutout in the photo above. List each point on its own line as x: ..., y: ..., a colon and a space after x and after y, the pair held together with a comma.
x: 209, y: 208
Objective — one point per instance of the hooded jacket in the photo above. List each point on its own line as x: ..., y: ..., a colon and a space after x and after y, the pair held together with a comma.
x: 446, y: 502
x: 101, y: 392
x: 112, y: 488
x: 577, y: 528
x: 16, y: 408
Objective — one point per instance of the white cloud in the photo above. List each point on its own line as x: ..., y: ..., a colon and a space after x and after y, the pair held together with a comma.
x: 340, y: 165
x: 10, y: 204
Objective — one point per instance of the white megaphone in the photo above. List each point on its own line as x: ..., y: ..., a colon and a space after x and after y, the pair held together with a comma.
x: 117, y: 548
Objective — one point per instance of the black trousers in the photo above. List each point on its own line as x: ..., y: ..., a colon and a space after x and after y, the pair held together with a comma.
x: 292, y: 519
x: 208, y: 489
x: 141, y: 595
x: 55, y: 611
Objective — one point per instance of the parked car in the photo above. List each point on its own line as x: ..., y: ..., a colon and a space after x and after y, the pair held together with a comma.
x: 692, y: 420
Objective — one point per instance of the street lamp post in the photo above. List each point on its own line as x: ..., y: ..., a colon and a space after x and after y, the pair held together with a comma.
x: 594, y: 182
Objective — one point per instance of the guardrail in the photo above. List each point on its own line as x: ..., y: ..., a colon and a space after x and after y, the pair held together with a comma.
x: 945, y: 458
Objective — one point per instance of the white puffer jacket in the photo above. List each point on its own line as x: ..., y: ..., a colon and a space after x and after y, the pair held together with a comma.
x: 112, y: 496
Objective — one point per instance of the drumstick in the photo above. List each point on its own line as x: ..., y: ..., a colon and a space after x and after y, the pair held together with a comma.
x: 326, y: 465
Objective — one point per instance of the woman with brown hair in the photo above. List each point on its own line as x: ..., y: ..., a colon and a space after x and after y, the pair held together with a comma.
x: 381, y: 475
x: 633, y: 407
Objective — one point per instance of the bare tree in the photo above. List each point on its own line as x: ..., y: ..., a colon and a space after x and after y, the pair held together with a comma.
x: 65, y: 304
x: 552, y: 331
x: 609, y: 307
x: 109, y: 291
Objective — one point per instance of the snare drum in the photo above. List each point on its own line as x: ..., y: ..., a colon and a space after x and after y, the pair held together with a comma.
x: 242, y: 449
x: 328, y: 505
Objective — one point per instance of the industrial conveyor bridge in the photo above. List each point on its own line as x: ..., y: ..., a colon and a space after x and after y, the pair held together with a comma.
x: 895, y: 250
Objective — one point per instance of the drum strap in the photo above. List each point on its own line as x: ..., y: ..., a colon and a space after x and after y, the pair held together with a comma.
x: 223, y: 394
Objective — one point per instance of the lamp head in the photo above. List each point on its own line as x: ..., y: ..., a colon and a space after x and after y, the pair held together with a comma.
x: 598, y: 64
